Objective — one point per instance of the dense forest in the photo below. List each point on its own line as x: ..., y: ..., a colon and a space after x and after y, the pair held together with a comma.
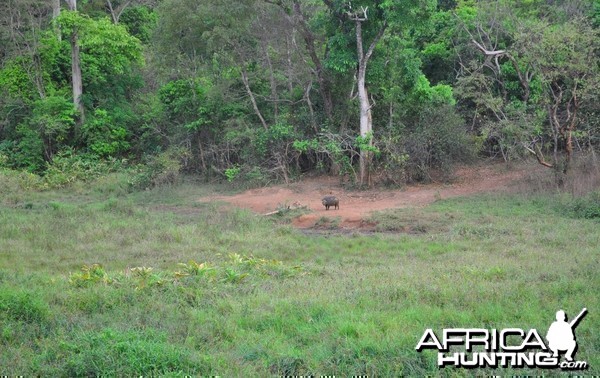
x: 377, y: 91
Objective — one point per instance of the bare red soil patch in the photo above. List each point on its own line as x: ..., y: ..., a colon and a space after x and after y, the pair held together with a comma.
x: 356, y: 206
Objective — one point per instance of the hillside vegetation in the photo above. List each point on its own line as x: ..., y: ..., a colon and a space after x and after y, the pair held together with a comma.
x: 257, y: 91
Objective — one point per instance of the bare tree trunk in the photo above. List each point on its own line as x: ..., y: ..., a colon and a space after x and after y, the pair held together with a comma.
x: 273, y: 83
x: 201, y: 150
x: 76, y: 68
x: 55, y: 8
x: 290, y: 67
x: 366, y: 127
x: 252, y: 99
x: 313, y: 121
x: 115, y: 13
x: 77, y: 80
x: 366, y: 120
x: 55, y: 14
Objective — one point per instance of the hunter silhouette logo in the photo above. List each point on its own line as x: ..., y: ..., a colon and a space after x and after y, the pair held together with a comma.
x: 509, y: 347
x: 561, y: 336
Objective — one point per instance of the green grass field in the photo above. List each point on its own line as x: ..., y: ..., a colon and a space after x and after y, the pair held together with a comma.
x: 183, y: 287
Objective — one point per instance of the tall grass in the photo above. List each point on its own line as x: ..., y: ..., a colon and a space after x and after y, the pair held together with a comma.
x: 233, y: 294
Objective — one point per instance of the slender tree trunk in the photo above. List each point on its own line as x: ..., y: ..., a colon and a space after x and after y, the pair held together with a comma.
x: 76, y: 72
x: 55, y: 8
x: 290, y: 68
x: 252, y: 99
x: 363, y: 99
x: 55, y: 14
x: 202, y: 159
x: 273, y: 82
x: 76, y: 68
x: 365, y: 124
x: 313, y: 121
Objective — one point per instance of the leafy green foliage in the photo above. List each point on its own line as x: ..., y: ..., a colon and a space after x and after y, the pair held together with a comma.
x: 274, y: 139
x: 103, y: 136
x: 235, y: 270
x: 232, y: 173
x: 158, y: 170
x: 186, y: 103
x: 586, y: 207
x: 437, y: 141
x: 89, y: 275
x: 27, y: 151
x: 140, y: 22
x: 68, y: 167
x: 54, y: 116
x: 15, y: 81
x: 170, y: 75
x: 365, y: 144
x: 107, y: 49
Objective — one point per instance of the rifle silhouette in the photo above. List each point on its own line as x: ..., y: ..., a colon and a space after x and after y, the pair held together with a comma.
x: 573, y: 323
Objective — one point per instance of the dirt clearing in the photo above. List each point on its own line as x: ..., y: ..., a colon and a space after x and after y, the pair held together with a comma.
x: 356, y: 206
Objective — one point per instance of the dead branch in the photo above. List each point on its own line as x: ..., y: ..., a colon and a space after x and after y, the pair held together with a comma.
x: 538, y: 155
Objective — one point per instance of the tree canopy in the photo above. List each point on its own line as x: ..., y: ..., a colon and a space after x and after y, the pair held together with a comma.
x: 372, y: 90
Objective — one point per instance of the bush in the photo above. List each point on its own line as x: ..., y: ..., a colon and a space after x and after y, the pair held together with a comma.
x: 103, y: 137
x: 68, y: 167
x: 28, y: 151
x: 438, y: 141
x: 587, y: 207
x: 161, y: 169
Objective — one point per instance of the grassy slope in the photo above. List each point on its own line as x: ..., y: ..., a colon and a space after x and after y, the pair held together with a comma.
x: 356, y: 305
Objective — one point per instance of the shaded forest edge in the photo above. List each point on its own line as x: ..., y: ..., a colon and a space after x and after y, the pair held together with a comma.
x: 258, y: 91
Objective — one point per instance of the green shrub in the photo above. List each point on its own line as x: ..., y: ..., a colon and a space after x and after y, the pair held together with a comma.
x: 232, y: 173
x: 438, y: 141
x: 28, y: 151
x: 23, y: 306
x: 103, y: 136
x: 161, y: 169
x: 54, y: 119
x: 68, y: 167
x: 587, y: 207
x: 89, y: 275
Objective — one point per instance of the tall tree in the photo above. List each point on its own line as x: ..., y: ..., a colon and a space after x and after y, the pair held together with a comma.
x: 366, y: 119
x: 371, y: 20
x: 76, y: 78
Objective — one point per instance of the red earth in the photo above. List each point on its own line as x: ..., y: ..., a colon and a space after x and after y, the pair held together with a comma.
x: 356, y: 206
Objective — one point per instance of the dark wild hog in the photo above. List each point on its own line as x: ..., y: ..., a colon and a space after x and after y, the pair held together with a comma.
x: 331, y: 201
